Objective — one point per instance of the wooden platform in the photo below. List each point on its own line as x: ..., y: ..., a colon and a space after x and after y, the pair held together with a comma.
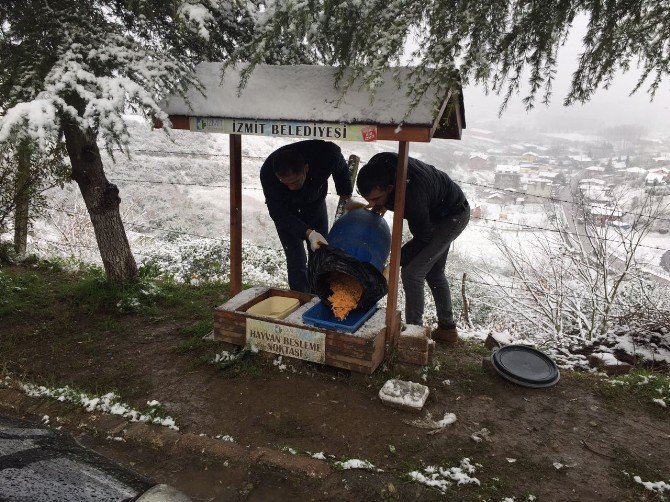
x: 362, y: 351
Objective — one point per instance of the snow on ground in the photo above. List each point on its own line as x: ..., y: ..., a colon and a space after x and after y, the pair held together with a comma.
x: 442, y: 478
x: 355, y: 463
x: 107, y: 403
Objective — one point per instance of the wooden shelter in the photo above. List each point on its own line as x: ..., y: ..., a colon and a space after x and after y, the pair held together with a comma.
x: 302, y: 101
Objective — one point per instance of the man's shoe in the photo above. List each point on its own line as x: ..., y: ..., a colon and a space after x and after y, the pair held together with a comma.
x: 445, y: 335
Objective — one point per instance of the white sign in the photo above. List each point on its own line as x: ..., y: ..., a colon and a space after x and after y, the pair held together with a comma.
x: 320, y: 130
x: 287, y: 340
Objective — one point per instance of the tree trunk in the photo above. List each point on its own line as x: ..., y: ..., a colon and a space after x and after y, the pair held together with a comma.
x: 22, y: 199
x: 102, y: 201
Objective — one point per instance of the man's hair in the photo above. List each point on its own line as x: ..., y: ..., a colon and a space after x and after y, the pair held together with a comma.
x: 288, y: 161
x: 378, y: 172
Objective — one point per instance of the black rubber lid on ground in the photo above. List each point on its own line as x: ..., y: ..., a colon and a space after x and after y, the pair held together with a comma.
x: 525, y: 366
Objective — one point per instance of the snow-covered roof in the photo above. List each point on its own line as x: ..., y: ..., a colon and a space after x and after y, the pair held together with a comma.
x: 480, y: 155
x: 598, y: 169
x: 591, y: 181
x: 655, y: 178
x: 636, y: 170
x: 506, y: 168
x: 600, y: 210
x: 304, y: 93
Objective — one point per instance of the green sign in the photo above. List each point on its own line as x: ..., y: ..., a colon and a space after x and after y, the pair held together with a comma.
x: 319, y: 130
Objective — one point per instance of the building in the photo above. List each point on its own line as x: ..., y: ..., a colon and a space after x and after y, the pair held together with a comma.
x: 601, y: 213
x: 507, y: 177
x: 529, y: 157
x: 635, y: 173
x: 539, y: 187
x: 478, y: 162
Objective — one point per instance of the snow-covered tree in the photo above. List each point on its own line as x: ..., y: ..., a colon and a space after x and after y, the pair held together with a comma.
x: 74, y: 67
x: 499, y: 43
x: 25, y: 174
x: 577, y: 283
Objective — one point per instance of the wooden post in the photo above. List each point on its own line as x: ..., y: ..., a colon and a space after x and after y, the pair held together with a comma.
x: 392, y: 327
x: 235, y: 214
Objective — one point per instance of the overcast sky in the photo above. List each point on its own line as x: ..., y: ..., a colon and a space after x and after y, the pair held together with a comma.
x: 608, y: 107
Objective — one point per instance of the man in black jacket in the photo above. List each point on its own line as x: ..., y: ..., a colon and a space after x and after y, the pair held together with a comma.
x: 436, y: 211
x: 295, y: 183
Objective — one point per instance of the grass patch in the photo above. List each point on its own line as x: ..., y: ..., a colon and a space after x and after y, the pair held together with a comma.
x: 626, y: 467
x: 652, y: 390
x: 196, y: 336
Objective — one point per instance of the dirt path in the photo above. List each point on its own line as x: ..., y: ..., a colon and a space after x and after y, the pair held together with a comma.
x: 571, y: 442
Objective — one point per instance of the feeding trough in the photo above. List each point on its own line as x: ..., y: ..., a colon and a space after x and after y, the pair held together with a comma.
x: 303, y: 102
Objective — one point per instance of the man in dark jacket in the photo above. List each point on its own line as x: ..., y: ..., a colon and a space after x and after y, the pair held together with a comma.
x: 295, y: 182
x: 436, y: 211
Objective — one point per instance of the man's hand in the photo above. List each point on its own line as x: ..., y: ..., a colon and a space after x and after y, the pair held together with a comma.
x: 315, y: 240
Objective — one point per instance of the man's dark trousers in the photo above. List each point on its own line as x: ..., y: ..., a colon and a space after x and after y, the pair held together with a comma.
x: 316, y: 218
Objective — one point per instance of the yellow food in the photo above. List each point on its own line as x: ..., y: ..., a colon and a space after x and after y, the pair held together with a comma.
x: 347, y: 292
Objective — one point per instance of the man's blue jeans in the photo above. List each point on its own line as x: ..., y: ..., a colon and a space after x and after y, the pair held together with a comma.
x: 428, y: 265
x: 316, y: 218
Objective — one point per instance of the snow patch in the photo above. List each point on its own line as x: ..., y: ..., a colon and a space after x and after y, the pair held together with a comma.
x: 108, y: 403
x: 442, y: 479
x: 355, y: 463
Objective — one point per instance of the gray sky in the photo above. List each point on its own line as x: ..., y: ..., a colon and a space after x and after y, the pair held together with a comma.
x: 607, y: 108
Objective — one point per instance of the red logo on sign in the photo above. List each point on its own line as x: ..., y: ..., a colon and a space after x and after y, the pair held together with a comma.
x: 369, y: 133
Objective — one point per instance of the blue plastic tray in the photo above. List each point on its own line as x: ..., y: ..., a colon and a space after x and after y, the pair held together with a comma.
x: 322, y: 317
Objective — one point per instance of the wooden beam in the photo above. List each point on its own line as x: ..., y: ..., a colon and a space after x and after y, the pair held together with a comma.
x: 451, y: 126
x: 396, y: 242
x: 235, y: 214
x: 404, y: 133
x: 178, y: 122
x: 438, y: 118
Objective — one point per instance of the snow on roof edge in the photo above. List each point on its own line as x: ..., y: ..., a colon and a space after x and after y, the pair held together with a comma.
x: 304, y: 93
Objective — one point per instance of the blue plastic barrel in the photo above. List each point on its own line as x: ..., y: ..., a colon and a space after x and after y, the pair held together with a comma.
x: 364, y: 235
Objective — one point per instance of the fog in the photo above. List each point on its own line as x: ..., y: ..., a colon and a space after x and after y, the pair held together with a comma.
x: 607, y: 108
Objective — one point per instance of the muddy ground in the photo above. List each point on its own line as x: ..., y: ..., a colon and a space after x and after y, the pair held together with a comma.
x: 58, y: 328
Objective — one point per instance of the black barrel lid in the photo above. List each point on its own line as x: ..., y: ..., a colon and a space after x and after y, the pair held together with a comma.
x: 525, y: 366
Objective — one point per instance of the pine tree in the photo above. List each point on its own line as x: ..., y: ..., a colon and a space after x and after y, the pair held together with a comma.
x: 74, y: 67
x: 497, y: 43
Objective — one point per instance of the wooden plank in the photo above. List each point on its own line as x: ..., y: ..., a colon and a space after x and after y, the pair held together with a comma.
x: 229, y: 337
x: 451, y: 126
x: 404, y: 133
x: 438, y: 117
x: 380, y: 349
x: 366, y: 370
x: 178, y: 122
x: 396, y: 242
x: 362, y: 355
x: 235, y: 214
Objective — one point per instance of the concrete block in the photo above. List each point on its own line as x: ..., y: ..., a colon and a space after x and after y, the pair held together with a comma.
x: 405, y: 395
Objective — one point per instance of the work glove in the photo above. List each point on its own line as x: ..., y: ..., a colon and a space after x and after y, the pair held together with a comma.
x: 315, y: 240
